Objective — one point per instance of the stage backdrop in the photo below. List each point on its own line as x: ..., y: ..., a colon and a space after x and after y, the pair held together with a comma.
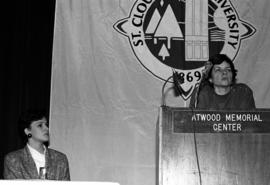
x: 111, y: 58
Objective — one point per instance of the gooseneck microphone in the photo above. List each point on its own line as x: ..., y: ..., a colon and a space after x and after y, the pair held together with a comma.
x: 178, y: 80
x: 205, y: 74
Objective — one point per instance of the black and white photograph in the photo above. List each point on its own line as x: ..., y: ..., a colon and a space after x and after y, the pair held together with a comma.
x: 135, y: 92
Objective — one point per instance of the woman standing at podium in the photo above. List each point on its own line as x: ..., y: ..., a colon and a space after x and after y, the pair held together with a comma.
x: 35, y: 160
x: 219, y: 90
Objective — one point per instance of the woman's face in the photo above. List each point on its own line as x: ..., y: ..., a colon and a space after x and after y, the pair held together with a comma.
x: 221, y: 75
x: 39, y: 130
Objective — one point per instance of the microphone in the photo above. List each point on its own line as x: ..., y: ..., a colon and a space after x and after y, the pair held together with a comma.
x: 178, y: 80
x: 205, y: 72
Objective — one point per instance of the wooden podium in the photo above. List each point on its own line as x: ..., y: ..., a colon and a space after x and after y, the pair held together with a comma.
x: 213, y: 147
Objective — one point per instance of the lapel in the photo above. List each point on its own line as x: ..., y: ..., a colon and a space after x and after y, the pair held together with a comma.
x: 29, y: 164
x: 49, y: 165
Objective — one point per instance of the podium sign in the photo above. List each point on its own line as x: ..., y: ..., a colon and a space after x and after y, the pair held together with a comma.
x: 203, y: 121
x: 214, y: 147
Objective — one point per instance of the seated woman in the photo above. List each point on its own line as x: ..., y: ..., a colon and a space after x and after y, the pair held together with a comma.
x: 35, y: 160
x: 219, y: 91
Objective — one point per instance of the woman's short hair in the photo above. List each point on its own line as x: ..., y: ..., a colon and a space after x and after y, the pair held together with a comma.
x: 26, y: 119
x: 218, y: 59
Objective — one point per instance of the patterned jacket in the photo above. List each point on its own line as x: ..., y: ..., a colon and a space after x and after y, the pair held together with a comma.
x: 20, y: 165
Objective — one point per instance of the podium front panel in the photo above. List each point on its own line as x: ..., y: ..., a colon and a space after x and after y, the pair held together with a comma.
x: 188, y: 156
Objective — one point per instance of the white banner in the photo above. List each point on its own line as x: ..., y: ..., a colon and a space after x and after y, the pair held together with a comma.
x: 110, y: 60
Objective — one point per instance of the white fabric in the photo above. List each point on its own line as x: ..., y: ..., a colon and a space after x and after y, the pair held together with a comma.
x: 38, y: 157
x: 104, y: 104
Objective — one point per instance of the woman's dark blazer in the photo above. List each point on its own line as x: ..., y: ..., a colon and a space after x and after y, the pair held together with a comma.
x: 20, y: 165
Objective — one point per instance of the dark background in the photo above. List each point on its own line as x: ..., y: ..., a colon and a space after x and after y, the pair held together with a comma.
x: 27, y: 40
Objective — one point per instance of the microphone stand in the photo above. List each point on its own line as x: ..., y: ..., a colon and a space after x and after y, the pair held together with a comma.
x: 194, y: 132
x: 197, y: 93
x: 205, y: 74
x: 201, y: 83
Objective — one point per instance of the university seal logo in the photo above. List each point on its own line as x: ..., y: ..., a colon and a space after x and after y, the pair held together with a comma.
x: 181, y: 35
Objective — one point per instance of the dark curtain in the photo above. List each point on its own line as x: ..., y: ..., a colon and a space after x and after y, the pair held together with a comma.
x: 27, y: 39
